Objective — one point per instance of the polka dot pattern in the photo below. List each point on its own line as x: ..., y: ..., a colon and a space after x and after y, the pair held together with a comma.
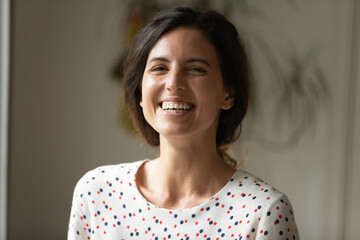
x: 107, y: 205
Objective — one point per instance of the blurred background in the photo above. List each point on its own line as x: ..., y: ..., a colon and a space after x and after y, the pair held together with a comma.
x: 65, y: 116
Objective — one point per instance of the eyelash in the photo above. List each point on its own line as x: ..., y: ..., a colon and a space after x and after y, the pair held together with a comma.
x: 162, y: 68
x: 197, y: 69
x: 158, y: 69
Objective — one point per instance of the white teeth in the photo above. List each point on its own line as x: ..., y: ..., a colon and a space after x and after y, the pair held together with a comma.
x: 175, y: 107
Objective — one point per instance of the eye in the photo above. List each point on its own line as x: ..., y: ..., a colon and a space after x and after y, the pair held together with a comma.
x: 197, y: 70
x: 158, y: 69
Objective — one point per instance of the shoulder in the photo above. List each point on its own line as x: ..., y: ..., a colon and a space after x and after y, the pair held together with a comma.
x: 254, y: 187
x: 270, y: 206
x: 106, y: 175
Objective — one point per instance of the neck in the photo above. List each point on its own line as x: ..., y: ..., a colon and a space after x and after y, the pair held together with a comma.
x: 186, y: 170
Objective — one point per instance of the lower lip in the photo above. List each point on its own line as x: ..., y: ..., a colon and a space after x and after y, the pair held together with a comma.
x: 180, y: 114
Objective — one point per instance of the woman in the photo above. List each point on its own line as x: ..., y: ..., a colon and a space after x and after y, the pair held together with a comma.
x: 186, y: 84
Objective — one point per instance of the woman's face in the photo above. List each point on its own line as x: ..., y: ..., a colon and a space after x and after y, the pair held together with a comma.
x: 182, y: 86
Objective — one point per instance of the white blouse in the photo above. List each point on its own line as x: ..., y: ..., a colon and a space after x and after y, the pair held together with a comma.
x: 107, y: 205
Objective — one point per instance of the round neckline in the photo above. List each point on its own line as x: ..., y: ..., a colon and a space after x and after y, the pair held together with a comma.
x: 199, y: 206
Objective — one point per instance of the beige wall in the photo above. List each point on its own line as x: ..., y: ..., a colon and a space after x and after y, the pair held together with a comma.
x: 63, y: 119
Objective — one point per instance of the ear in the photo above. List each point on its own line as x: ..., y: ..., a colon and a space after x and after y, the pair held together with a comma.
x: 141, y: 103
x: 228, y: 101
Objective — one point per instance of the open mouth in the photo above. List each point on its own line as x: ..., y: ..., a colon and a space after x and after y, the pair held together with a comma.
x: 176, y: 107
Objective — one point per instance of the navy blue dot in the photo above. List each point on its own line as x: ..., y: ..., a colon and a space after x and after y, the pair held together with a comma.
x: 140, y: 210
x: 175, y: 216
x: 98, y: 212
x: 118, y: 223
x: 253, y: 230
x: 165, y: 229
x: 228, y: 193
x: 201, y: 231
x: 219, y: 230
x: 124, y: 206
x: 266, y: 233
x: 217, y: 204
x: 281, y: 233
x: 89, y: 193
x: 208, y: 208
x: 193, y: 215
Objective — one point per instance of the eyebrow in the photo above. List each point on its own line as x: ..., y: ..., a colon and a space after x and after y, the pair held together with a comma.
x: 159, y: 59
x: 190, y: 60
x: 201, y: 60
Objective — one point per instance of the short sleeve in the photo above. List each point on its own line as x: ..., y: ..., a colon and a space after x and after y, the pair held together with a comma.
x: 79, y: 223
x: 278, y: 222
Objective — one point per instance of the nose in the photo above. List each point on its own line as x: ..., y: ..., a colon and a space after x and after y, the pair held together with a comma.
x: 176, y: 81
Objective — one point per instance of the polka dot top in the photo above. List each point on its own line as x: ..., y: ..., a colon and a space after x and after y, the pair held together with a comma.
x: 107, y: 205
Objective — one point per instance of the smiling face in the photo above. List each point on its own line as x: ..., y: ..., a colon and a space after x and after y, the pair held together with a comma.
x: 182, y: 86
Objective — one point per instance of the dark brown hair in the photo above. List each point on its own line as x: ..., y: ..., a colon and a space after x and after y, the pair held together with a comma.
x: 232, y: 58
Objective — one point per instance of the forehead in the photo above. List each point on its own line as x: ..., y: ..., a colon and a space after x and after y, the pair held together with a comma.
x: 184, y: 42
